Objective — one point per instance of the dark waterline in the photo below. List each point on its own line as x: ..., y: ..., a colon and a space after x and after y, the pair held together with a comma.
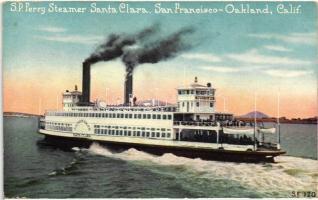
x: 35, y: 170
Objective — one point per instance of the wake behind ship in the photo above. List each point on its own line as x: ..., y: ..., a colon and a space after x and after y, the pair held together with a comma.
x: 191, y: 128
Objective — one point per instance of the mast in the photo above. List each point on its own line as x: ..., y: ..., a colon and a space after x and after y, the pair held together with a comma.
x: 254, y: 121
x: 40, y: 105
x: 57, y: 102
x: 278, y: 124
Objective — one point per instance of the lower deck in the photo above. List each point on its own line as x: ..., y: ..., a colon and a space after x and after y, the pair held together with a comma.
x: 205, y: 151
x: 149, y: 141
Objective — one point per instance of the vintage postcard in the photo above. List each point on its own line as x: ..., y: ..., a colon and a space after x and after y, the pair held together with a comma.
x: 109, y: 99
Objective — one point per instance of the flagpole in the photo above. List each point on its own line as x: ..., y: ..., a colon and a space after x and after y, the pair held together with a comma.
x: 278, y: 123
x: 254, y: 121
x: 57, y: 102
x: 40, y: 105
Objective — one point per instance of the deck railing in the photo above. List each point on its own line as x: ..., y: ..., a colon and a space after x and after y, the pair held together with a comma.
x: 193, y: 123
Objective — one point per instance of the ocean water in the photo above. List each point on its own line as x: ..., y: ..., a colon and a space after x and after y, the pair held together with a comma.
x: 35, y: 170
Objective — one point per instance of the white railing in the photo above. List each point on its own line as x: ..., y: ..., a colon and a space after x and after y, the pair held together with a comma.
x: 194, y: 123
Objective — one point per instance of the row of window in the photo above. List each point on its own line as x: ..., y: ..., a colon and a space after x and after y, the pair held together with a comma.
x: 58, y: 126
x: 191, y: 103
x: 112, y: 115
x: 131, y: 128
x: 197, y: 92
x: 132, y: 133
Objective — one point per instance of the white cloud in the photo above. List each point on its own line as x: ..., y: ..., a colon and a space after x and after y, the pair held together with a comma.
x: 221, y: 69
x: 286, y: 73
x: 254, y: 57
x: 297, y: 38
x: 79, y: 39
x: 203, y: 57
x: 52, y: 29
x: 277, y: 48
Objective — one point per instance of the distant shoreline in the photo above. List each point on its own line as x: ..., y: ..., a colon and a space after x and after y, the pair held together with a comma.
x: 19, y: 114
x: 282, y: 120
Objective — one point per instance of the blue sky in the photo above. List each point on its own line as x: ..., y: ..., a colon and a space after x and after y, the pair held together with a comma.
x: 242, y: 52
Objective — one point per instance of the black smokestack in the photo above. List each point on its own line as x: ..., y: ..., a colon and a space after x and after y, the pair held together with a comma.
x: 113, y: 47
x: 128, y: 90
x: 86, y: 82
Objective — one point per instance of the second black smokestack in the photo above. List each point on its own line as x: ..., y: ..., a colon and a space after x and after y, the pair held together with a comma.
x: 128, y: 90
x: 86, y: 82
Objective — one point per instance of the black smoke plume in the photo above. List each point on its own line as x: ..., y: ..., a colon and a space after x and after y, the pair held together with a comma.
x: 114, y: 45
x: 157, y: 51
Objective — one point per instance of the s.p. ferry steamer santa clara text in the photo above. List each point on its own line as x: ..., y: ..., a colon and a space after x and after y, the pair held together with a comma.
x: 192, y: 128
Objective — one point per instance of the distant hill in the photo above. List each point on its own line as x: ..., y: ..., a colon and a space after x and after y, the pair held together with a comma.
x: 259, y: 115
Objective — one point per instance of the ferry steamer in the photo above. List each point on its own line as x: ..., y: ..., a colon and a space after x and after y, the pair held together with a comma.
x: 192, y: 128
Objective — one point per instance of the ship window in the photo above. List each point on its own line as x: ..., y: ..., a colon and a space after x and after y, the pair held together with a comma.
x: 118, y: 115
x: 154, y: 116
x: 99, y: 115
x: 125, y: 133
x: 134, y: 133
x: 114, y: 115
x: 106, y: 115
x: 158, y: 134
x: 148, y: 116
x: 135, y: 116
x: 129, y: 133
x: 147, y: 134
x: 126, y: 115
x: 168, y: 135
x: 158, y: 116
x: 139, y: 116
x: 163, y: 135
x: 143, y: 134
x: 130, y: 115
x: 144, y: 116
x: 121, y: 115
x: 169, y: 117
x: 120, y: 132
x: 138, y: 133
x: 152, y: 134
x: 211, y: 104
x: 198, y: 104
x: 191, y: 91
x: 164, y: 116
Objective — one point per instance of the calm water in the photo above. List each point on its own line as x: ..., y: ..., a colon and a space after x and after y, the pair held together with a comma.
x: 38, y: 171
